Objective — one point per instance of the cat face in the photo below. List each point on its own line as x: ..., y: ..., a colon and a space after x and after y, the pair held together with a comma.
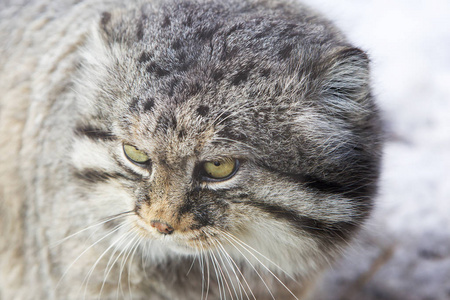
x: 236, y: 134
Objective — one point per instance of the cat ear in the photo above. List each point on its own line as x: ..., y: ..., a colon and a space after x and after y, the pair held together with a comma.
x: 107, y: 27
x: 98, y: 56
x: 117, y: 26
x: 345, y: 74
x: 105, y: 24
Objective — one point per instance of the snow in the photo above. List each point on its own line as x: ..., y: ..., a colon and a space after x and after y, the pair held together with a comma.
x: 404, y: 252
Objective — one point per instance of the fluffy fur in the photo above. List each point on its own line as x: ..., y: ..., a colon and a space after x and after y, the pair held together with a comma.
x: 269, y: 83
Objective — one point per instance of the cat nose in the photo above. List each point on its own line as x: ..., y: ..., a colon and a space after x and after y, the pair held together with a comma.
x: 162, y: 227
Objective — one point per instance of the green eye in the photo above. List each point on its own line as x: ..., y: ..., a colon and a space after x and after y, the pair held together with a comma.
x: 135, y: 155
x: 220, y: 169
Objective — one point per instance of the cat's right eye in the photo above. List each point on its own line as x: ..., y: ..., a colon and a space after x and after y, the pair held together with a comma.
x: 220, y: 170
x: 135, y: 155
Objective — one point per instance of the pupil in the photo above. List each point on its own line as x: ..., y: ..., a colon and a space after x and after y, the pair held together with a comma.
x: 216, y: 163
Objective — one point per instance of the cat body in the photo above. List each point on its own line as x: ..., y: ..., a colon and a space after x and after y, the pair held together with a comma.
x: 267, y: 87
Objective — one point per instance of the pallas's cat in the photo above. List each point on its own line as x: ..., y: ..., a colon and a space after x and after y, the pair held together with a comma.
x: 178, y: 149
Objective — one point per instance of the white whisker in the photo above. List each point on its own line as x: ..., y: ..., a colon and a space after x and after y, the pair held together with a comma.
x: 216, y: 242
x: 118, y: 216
x: 202, y: 268
x: 133, y: 252
x: 91, y: 270
x: 117, y: 228
x: 253, y: 267
x: 112, y: 262
x: 126, y: 250
x: 218, y: 277
x: 207, y: 270
x: 247, y: 247
x: 222, y: 275
x: 193, y: 262
x: 234, y: 267
x: 262, y: 264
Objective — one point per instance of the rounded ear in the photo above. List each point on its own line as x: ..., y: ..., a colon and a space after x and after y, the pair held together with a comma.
x: 346, y: 74
x: 121, y: 25
x: 107, y: 27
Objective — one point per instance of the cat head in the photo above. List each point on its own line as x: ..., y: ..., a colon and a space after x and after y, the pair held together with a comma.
x: 220, y: 129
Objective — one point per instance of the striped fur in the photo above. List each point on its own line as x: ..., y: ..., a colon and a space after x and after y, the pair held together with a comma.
x: 270, y: 84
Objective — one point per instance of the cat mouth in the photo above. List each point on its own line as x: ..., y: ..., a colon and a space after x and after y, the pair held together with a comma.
x: 189, y: 242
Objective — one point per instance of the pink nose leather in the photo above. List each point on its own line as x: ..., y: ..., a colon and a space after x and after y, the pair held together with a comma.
x: 162, y: 227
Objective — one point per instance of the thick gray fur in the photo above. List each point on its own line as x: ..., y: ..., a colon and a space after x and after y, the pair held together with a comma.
x: 269, y: 83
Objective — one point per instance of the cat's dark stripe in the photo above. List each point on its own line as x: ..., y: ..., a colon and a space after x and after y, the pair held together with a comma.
x: 362, y: 188
x: 94, y: 133
x: 354, y: 189
x: 135, y: 175
x: 97, y: 176
x: 313, y: 226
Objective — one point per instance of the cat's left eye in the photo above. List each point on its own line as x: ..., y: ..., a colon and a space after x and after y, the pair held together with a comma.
x: 135, y: 155
x: 221, y: 169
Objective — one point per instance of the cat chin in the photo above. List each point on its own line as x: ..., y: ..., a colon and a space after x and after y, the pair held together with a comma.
x: 178, y: 249
x: 164, y: 248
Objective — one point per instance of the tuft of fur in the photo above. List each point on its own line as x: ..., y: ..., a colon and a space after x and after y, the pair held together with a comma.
x: 269, y: 83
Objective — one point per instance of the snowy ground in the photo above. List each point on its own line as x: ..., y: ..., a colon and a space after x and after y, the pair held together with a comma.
x: 405, y: 251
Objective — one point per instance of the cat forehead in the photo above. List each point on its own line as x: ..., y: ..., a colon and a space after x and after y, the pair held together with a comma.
x: 175, y: 131
x: 210, y: 41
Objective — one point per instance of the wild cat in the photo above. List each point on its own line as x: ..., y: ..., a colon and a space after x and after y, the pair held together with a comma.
x: 180, y: 149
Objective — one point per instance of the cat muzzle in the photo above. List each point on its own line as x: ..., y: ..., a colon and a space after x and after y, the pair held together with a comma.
x: 162, y: 227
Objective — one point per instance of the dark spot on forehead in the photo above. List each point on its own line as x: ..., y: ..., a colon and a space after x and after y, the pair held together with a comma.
x: 149, y: 104
x: 185, y: 65
x: 181, y: 133
x: 193, y: 89
x: 156, y: 69
x: 140, y: 29
x: 261, y: 34
x: 285, y: 52
x: 217, y: 75
x: 289, y: 30
x: 181, y: 56
x: 166, y: 21
x: 144, y: 57
x: 188, y: 21
x: 206, y: 33
x: 134, y: 104
x: 176, y: 44
x: 265, y: 72
x: 166, y: 121
x: 172, y: 86
x: 106, y: 17
x: 203, y: 110
x: 229, y: 53
x: 240, y: 77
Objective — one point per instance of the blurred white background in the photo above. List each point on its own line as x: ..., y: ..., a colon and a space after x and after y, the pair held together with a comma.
x: 405, y: 251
